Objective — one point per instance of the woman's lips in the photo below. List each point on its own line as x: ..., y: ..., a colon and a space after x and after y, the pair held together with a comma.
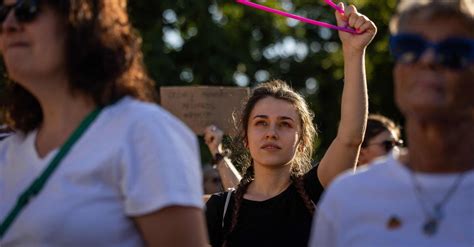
x: 270, y: 146
x: 13, y: 45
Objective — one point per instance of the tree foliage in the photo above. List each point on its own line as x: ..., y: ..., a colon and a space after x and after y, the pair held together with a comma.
x: 220, y: 42
x: 225, y: 43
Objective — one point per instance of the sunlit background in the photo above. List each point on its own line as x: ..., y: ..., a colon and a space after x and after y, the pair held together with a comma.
x: 217, y: 42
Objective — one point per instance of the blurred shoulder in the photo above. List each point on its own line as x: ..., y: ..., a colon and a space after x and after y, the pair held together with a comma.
x: 138, y: 109
x: 13, y: 138
x: 364, y: 177
x: 144, y: 114
x: 12, y: 144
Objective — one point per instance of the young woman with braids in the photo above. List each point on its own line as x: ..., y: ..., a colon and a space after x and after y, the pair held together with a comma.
x: 77, y: 77
x: 275, y: 200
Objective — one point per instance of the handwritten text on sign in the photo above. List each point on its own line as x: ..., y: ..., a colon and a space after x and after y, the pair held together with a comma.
x: 201, y: 106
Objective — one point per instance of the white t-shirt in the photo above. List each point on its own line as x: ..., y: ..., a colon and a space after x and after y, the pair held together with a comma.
x: 356, y: 209
x: 135, y: 159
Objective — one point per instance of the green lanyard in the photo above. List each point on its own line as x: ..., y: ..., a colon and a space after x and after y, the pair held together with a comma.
x: 38, y: 184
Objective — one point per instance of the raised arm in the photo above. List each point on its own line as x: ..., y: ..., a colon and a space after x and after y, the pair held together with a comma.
x: 230, y: 177
x: 344, y: 149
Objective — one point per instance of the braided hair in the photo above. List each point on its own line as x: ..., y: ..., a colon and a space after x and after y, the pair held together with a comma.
x: 239, y: 195
x: 301, y: 163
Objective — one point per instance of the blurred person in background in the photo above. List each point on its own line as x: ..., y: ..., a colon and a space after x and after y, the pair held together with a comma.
x: 211, y: 180
x: 92, y: 162
x: 425, y: 198
x: 228, y: 174
x: 381, y: 137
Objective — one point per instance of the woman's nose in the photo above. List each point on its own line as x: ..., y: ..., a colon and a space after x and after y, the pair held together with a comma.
x: 428, y: 57
x: 10, y: 23
x: 272, y: 132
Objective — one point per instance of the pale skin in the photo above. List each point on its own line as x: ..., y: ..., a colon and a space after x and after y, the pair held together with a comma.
x: 34, y: 55
x: 272, y: 172
x: 437, y: 103
x: 272, y: 139
x: 343, y: 151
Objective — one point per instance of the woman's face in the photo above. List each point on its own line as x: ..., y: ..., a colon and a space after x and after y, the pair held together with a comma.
x: 376, y: 147
x: 273, y: 132
x: 428, y: 90
x: 33, y: 49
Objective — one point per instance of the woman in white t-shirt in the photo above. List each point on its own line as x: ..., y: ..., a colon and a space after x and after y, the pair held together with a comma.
x: 425, y: 198
x: 109, y: 168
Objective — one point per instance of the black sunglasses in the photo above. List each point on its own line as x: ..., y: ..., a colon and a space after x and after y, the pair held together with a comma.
x: 453, y: 53
x: 388, y: 145
x: 25, y: 10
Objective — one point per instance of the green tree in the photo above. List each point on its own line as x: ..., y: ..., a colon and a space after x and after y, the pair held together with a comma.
x: 217, y: 42
x: 225, y: 43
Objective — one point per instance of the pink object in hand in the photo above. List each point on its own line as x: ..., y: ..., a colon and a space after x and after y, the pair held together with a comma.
x: 300, y: 18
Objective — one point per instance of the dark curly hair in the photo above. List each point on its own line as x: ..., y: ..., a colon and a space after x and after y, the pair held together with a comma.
x: 103, y: 60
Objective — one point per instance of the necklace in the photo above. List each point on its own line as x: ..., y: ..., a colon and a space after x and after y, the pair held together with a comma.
x: 434, y: 216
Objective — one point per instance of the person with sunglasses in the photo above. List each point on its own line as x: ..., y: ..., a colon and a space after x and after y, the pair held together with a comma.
x: 424, y: 198
x: 382, y: 136
x: 93, y: 161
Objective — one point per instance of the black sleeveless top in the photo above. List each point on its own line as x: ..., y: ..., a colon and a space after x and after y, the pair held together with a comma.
x: 282, y: 220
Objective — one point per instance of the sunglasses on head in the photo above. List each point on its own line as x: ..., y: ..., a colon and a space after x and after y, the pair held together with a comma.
x: 452, y: 53
x: 24, y: 10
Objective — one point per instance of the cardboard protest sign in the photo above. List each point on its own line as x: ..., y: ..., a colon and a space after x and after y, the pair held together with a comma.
x: 200, y: 106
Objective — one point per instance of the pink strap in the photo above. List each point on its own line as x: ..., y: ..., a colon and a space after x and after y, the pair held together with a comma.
x: 300, y: 18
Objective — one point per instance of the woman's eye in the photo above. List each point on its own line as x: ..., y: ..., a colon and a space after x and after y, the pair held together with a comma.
x: 286, y: 124
x: 261, y: 123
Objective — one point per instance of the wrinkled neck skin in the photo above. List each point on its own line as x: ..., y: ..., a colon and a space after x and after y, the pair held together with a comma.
x: 439, y: 146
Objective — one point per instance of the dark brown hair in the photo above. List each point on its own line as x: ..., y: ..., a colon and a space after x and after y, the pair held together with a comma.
x: 103, y: 60
x: 377, y: 124
x: 302, y: 161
